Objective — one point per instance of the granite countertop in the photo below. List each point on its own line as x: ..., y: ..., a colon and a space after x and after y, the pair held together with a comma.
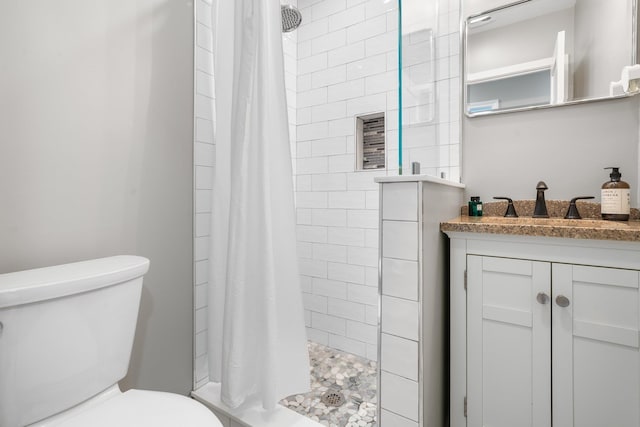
x: 591, y: 227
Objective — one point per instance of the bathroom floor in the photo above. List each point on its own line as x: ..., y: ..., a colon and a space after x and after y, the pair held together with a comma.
x: 336, y: 371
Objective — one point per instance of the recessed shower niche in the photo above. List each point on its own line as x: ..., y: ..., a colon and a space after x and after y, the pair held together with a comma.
x: 370, y: 142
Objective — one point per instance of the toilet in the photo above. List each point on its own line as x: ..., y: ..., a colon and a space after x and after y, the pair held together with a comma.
x: 66, y: 334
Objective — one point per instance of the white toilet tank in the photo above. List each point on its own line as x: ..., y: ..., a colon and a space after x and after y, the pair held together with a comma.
x: 66, y: 334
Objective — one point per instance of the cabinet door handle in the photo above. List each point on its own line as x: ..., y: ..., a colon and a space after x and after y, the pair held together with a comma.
x: 562, y: 301
x: 542, y: 298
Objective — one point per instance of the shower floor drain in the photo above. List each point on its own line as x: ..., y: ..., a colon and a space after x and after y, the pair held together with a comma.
x: 333, y: 398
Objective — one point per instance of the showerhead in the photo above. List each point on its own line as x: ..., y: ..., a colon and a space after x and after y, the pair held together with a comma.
x: 291, y: 18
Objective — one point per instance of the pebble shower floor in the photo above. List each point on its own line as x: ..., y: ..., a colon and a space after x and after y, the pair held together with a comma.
x: 336, y: 371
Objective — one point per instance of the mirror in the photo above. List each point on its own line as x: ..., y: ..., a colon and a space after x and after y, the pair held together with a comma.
x: 542, y: 53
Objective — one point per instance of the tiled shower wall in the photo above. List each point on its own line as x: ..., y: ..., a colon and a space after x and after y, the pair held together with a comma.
x: 204, y: 156
x: 347, y: 66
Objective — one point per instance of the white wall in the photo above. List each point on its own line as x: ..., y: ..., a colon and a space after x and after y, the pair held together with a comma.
x: 95, y: 155
x: 347, y: 66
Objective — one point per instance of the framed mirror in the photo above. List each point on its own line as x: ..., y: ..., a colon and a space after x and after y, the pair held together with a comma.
x: 544, y: 53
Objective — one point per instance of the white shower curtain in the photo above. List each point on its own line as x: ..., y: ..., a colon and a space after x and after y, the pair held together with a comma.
x: 257, y: 339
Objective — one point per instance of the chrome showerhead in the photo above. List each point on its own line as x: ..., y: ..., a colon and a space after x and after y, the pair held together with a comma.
x: 291, y: 18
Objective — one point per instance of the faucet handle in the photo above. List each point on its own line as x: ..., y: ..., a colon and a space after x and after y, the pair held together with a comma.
x: 511, y: 210
x: 572, y: 212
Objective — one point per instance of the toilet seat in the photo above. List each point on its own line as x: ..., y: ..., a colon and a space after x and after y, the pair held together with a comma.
x: 142, y: 408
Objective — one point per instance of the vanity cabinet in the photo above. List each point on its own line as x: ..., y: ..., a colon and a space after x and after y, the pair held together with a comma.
x: 544, y: 331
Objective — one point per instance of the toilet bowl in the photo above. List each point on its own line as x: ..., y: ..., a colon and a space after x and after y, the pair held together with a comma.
x: 66, y: 334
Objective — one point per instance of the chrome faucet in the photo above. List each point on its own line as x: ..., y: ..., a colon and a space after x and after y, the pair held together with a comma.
x: 540, y: 210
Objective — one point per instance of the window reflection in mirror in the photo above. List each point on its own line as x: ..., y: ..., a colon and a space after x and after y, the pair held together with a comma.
x: 546, y: 52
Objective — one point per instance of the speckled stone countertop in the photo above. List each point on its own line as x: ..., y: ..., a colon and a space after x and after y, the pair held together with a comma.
x: 590, y: 227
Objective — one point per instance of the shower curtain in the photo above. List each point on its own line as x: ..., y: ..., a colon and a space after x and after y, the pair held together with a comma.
x: 257, y: 338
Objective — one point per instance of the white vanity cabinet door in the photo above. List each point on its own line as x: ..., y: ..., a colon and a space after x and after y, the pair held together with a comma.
x: 508, y: 342
x: 596, y: 359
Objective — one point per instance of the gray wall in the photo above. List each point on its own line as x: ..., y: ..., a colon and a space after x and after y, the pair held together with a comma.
x: 567, y: 147
x: 96, y: 119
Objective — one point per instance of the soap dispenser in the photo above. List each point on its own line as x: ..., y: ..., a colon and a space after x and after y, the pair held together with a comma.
x: 615, y: 197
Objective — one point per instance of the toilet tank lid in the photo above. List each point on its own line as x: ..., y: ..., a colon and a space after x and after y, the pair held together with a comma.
x: 40, y: 284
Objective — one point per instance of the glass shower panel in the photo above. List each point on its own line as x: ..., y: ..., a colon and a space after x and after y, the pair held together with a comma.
x: 417, y: 26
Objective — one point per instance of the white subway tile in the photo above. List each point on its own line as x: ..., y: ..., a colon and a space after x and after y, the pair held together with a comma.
x: 204, y: 131
x: 312, y: 97
x: 400, y: 317
x: 306, y: 283
x: 346, y: 273
x: 200, y: 323
x: 305, y: 250
x: 201, y: 272
x: 204, y: 107
x: 204, y: 37
x: 367, y: 29
x: 371, y: 315
x: 383, y: 82
x: 399, y: 395
x: 200, y: 297
x: 400, y: 239
x: 311, y: 199
x: 372, y: 352
x: 331, y: 111
x: 346, y: 54
x: 326, y: 8
x: 343, y: 163
x: 372, y: 199
x: 303, y: 115
x: 203, y: 13
x: 303, y: 84
x: 367, y: 104
x: 347, y: 200
x: 390, y: 419
x: 362, y: 331
x: 343, y: 343
x: 303, y: 183
x: 330, y: 288
x: 204, y: 177
x: 204, y: 84
x: 363, y: 256
x: 383, y: 43
x: 307, y: 318
x: 311, y: 234
x: 204, y: 61
x: 321, y: 337
x: 201, y: 248
x: 379, y: 7
x: 333, y: 253
x: 399, y: 356
x: 312, y: 63
x: 328, y: 146
x: 312, y: 131
x: 312, y: 29
x: 304, y: 49
x: 313, y: 268
x: 201, y: 343
x: 371, y: 275
x: 329, y: 217
x: 362, y: 294
x: 329, y: 76
x: 366, y: 67
x: 203, y: 224
x: 203, y: 154
x: 346, y: 310
x: 371, y: 238
x: 329, y: 182
x: 329, y: 41
x: 363, y: 180
x: 346, y: 18
x: 203, y: 201
x: 328, y: 323
x: 351, y: 3
x: 346, y: 90
x: 342, y: 127
x: 346, y: 236
x: 362, y: 218
x: 315, y: 303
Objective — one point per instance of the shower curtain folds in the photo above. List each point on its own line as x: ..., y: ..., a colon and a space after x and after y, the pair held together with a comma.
x: 256, y: 338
